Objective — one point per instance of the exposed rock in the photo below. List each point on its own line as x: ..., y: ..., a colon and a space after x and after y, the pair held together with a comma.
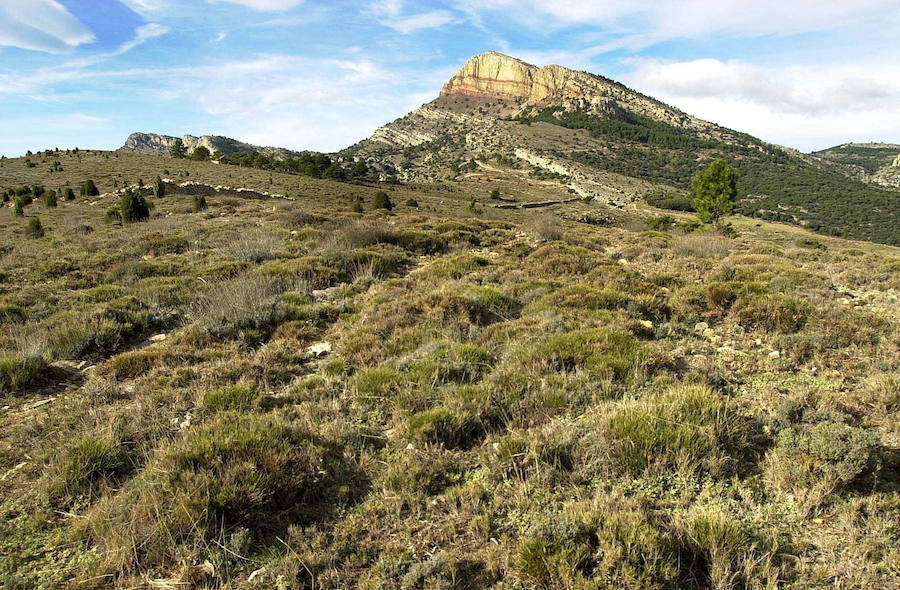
x: 161, y: 145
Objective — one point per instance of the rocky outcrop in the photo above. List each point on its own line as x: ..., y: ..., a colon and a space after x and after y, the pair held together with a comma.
x: 161, y: 145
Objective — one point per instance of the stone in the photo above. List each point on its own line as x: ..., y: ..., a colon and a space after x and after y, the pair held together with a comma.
x: 700, y: 327
x: 775, y: 354
x: 320, y: 349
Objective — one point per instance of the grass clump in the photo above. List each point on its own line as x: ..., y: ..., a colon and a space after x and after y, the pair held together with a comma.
x: 237, y: 397
x: 601, y: 353
x: 259, y: 473
x: 772, y: 313
x: 87, y: 466
x: 18, y: 373
x: 686, y: 428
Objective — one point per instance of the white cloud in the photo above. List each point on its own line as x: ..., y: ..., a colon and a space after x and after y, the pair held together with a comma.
x: 41, y: 25
x: 808, y: 107
x: 265, y: 5
x: 142, y: 34
x: 636, y: 24
x: 390, y: 13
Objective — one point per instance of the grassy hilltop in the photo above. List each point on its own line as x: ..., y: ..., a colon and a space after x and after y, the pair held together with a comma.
x: 275, y: 393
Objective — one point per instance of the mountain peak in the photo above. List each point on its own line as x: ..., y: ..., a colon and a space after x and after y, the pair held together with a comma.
x: 492, y: 75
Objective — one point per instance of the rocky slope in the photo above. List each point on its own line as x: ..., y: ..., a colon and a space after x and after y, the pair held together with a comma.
x: 161, y: 145
x: 876, y: 163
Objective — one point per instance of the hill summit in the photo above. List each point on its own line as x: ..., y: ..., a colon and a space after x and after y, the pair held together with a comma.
x: 596, y: 138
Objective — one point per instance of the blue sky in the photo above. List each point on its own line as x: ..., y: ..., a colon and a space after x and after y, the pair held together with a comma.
x: 322, y: 74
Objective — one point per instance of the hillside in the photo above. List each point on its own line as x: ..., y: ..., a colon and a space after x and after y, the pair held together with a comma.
x: 877, y: 163
x: 161, y: 145
x: 591, y: 133
x: 307, y: 391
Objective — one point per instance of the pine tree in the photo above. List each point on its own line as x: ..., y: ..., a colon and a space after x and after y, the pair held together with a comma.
x: 68, y: 194
x: 382, y: 201
x: 133, y: 207
x: 35, y: 229
x: 714, y: 191
x: 178, y: 150
x: 89, y: 189
x: 159, y: 188
x: 19, y: 207
x: 50, y: 198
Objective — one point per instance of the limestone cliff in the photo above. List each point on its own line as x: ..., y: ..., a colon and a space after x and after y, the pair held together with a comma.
x: 161, y: 145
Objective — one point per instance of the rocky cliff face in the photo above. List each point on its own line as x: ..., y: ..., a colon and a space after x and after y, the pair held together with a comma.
x: 161, y: 145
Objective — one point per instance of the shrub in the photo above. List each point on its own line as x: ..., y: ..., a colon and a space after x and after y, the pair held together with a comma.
x: 253, y: 245
x: 89, y: 189
x: 814, y: 461
x: 772, y: 312
x: 443, y: 426
x: 198, y: 203
x: 159, y: 188
x: 19, y: 207
x: 11, y: 314
x: 248, y: 302
x: 50, y: 199
x: 259, y: 473
x: 495, y: 194
x: 133, y: 207
x: 490, y: 305
x: 382, y: 201
x: 412, y: 203
x: 35, y: 229
x: 68, y: 194
x: 701, y: 246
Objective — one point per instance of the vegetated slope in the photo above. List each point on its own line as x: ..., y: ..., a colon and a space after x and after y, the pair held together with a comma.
x: 878, y: 163
x: 629, y: 134
x: 295, y: 394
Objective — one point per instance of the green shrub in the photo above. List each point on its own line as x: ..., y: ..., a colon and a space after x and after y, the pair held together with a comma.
x: 34, y: 230
x: 11, y: 314
x: 490, y: 305
x: 444, y: 426
x: 68, y: 194
x: 814, y: 461
x: 133, y: 207
x: 89, y: 189
x: 132, y: 364
x: 198, y: 204
x: 382, y: 201
x: 452, y: 363
x: 412, y: 203
x: 376, y: 384
x: 50, y: 199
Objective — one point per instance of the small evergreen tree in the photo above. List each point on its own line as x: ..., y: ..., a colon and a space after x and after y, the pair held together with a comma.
x: 714, y: 191
x: 382, y: 201
x: 19, y: 207
x: 357, y: 207
x: 37, y: 190
x: 133, y: 207
x: 68, y: 194
x: 50, y: 198
x: 412, y: 203
x: 199, y: 203
x: 35, y: 229
x: 495, y: 194
x: 178, y: 150
x: 89, y: 189
x: 159, y: 188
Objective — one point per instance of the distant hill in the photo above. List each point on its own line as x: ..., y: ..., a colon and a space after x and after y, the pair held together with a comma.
x: 877, y: 163
x: 160, y: 145
x: 596, y: 136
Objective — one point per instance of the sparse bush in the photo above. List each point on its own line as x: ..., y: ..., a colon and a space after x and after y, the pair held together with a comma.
x: 813, y: 462
x: 112, y: 217
x: 50, y: 199
x: 68, y: 194
x: 253, y: 245
x: 159, y: 188
x: 86, y: 465
x: 701, y: 246
x: 19, y: 372
x: 412, y: 203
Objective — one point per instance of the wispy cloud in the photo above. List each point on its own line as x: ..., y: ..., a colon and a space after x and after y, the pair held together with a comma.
x: 265, y: 5
x: 391, y: 13
x: 41, y: 25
